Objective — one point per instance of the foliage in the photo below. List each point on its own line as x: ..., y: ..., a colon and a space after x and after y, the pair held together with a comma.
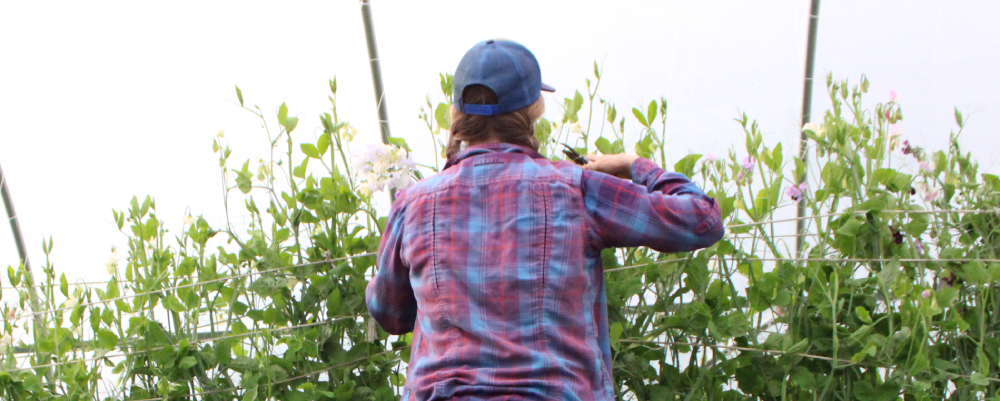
x: 894, y: 293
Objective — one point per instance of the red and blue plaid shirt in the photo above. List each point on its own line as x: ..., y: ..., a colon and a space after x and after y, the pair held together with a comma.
x: 495, y: 265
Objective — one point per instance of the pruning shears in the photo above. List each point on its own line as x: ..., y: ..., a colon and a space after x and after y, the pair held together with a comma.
x: 575, y: 157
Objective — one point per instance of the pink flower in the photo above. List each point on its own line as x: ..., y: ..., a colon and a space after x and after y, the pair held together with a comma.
x: 919, y: 246
x: 739, y: 177
x: 709, y: 158
x: 748, y: 163
x: 906, y: 148
x: 793, y: 192
x: 926, y: 167
x: 893, y: 96
x: 930, y: 196
x: 796, y: 192
x: 894, y: 130
x: 926, y: 294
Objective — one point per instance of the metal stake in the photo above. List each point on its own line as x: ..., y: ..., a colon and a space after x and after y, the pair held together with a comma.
x: 806, y: 111
x: 383, y: 113
x: 38, y: 316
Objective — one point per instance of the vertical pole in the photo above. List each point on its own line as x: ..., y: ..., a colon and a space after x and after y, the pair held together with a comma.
x: 38, y: 316
x: 383, y: 113
x: 806, y: 111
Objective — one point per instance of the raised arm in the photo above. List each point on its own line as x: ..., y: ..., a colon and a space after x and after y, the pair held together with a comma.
x: 389, y: 295
x: 662, y: 210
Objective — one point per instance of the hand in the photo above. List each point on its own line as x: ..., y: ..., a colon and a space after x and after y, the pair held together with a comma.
x: 619, y: 165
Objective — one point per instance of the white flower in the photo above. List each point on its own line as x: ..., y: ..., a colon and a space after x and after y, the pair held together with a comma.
x: 70, y: 303
x: 5, y: 342
x: 929, y: 193
x: 815, y: 128
x: 576, y: 128
x: 927, y: 167
x: 112, y: 263
x: 399, y: 180
x: 348, y: 132
x: 189, y: 220
x: 932, y: 195
x: 382, y: 166
x: 220, y: 134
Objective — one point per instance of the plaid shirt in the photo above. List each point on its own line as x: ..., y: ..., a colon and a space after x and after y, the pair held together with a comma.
x: 495, y: 265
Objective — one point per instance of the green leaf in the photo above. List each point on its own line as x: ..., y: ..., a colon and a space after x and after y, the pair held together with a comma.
x: 250, y: 395
x: 333, y: 302
x: 323, y: 143
x: 299, y: 171
x: 803, y: 377
x: 638, y: 115
x: 31, y: 382
x: 397, y: 380
x: 291, y: 123
x: 917, y: 225
x: 239, y: 94
x: 863, y: 314
x: 800, y: 167
x: 15, y: 279
x: 866, y: 352
x: 597, y: 73
x: 651, y: 112
x: 173, y: 304
x: 333, y: 85
x: 616, y: 333
x: 603, y: 145
x: 400, y: 142
x: 310, y: 150
x: 777, y: 156
x: 958, y: 118
x: 107, y: 339
x: 975, y: 272
x: 187, y: 362
x: 687, y: 164
x: 979, y: 378
x: 63, y: 285
x: 442, y: 114
x: 112, y: 289
x: 282, y: 114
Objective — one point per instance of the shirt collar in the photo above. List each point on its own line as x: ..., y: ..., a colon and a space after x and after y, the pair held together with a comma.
x: 490, y: 148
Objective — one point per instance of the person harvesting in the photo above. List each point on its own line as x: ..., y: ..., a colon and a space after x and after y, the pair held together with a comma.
x: 494, y: 264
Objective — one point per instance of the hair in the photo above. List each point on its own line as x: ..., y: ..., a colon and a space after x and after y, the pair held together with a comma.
x: 516, y: 127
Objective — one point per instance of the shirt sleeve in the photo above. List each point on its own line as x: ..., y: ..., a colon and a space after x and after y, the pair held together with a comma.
x: 662, y: 210
x: 389, y: 295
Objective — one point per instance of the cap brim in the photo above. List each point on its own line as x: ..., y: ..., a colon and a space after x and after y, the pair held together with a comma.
x: 547, y: 88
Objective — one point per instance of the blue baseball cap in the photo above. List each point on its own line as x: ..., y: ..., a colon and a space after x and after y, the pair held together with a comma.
x: 506, y: 67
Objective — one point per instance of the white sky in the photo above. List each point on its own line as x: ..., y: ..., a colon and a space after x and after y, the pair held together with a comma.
x: 100, y: 101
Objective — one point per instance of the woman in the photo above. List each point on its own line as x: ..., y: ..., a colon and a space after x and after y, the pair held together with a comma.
x: 495, y: 263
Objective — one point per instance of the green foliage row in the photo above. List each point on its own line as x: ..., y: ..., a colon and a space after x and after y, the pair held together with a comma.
x: 893, y: 294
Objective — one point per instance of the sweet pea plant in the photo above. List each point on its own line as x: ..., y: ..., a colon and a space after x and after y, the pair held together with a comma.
x: 893, y: 294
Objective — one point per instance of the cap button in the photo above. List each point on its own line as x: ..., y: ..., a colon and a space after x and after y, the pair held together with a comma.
x: 489, y: 42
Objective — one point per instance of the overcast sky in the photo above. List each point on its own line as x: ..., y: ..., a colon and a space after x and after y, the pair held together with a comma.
x: 100, y: 101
